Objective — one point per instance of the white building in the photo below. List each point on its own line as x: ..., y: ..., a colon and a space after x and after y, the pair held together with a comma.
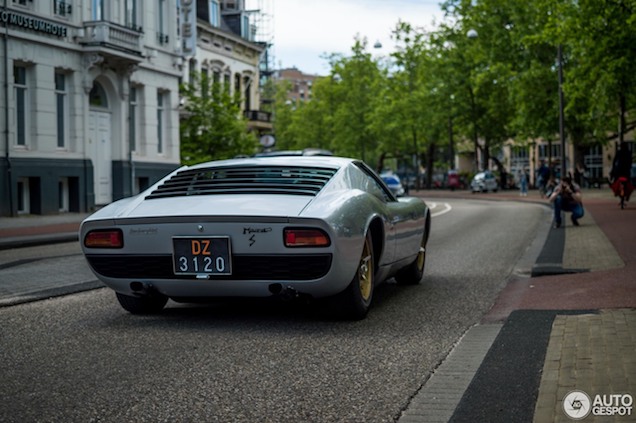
x: 227, y: 50
x: 90, y: 111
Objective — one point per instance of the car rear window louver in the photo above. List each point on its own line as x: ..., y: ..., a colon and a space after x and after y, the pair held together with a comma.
x: 245, y: 180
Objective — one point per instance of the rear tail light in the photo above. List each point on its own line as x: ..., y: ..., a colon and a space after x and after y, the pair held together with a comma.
x: 104, y: 238
x: 302, y: 237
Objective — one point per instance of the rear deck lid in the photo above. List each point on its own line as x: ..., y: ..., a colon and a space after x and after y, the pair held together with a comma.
x: 246, y: 189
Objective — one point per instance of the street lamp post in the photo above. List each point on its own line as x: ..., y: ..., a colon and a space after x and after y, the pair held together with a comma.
x: 561, y: 111
x: 472, y: 34
x: 451, y: 144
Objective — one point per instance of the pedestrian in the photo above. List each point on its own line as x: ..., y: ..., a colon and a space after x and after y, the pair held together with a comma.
x: 543, y: 175
x: 550, y: 186
x: 621, y: 171
x: 523, y: 182
x: 567, y: 197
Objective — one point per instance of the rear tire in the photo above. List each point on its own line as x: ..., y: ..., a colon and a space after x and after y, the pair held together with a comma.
x: 354, y: 302
x: 412, y: 274
x: 147, y: 304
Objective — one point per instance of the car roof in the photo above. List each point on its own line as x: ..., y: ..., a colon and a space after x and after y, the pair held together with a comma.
x: 316, y: 161
x: 305, y: 152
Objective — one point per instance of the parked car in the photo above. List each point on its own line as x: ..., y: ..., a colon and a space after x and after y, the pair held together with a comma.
x: 483, y: 182
x: 394, y: 184
x: 452, y: 180
x: 310, y: 227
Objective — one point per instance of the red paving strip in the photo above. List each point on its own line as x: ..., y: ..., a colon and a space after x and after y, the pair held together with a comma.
x: 615, y: 288
x: 39, y: 230
x: 619, y: 226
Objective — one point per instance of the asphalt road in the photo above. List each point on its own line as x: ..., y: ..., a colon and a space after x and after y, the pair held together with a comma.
x: 82, y: 358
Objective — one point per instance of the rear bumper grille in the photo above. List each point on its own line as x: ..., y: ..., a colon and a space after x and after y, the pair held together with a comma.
x: 245, y: 267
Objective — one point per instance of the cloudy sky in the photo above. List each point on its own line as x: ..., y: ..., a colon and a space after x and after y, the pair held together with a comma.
x: 304, y: 30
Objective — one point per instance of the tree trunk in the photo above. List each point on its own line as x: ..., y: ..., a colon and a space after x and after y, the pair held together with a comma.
x: 503, y: 180
x: 430, y: 156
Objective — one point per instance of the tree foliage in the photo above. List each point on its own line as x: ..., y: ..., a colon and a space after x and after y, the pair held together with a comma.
x: 212, y: 127
x: 443, y: 89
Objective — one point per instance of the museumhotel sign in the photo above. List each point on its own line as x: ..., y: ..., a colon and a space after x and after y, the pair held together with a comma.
x: 36, y: 24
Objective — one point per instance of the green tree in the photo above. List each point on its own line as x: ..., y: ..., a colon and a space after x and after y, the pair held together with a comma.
x: 600, y: 36
x: 444, y: 88
x: 283, y: 116
x: 496, y: 61
x: 419, y: 97
x: 212, y: 127
x: 355, y: 83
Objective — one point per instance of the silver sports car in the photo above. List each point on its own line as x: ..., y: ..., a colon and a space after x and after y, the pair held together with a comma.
x: 322, y: 227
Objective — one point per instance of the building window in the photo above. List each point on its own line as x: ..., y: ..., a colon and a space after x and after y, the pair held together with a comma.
x: 178, y: 19
x: 23, y: 2
x: 593, y: 161
x: 245, y: 27
x: 62, y: 8
x: 162, y: 27
x: 205, y: 83
x: 237, y: 84
x: 161, y: 117
x: 131, y: 14
x: 61, y: 105
x: 132, y: 118
x: 520, y: 153
x: 97, y: 97
x: 21, y: 103
x: 545, y: 152
x: 226, y: 82
x: 247, y: 84
x: 98, y: 10
x: 214, y: 13
x: 230, y: 5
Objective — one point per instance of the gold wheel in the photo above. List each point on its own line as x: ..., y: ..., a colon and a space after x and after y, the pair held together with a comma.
x: 365, y: 271
x: 421, y: 258
x: 353, y: 303
x: 412, y: 274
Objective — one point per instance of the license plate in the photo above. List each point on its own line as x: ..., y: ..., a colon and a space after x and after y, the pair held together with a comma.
x: 202, y: 255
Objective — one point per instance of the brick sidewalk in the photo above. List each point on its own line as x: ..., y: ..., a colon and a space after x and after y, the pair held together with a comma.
x: 592, y: 353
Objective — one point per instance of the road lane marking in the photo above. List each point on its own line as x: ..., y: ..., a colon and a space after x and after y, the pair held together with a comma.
x: 447, y: 208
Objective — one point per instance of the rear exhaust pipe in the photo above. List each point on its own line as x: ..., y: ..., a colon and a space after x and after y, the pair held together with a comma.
x: 285, y: 293
x: 141, y: 288
x: 275, y: 288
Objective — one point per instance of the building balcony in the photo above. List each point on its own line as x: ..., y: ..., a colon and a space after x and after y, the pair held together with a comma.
x: 112, y: 41
x: 259, y: 120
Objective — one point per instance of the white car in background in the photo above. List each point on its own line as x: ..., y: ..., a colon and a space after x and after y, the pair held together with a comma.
x: 483, y: 182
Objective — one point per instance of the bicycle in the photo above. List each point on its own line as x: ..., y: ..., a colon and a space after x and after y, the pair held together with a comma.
x: 621, y: 190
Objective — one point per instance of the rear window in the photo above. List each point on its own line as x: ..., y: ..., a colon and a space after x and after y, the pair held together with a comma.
x: 292, y: 180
